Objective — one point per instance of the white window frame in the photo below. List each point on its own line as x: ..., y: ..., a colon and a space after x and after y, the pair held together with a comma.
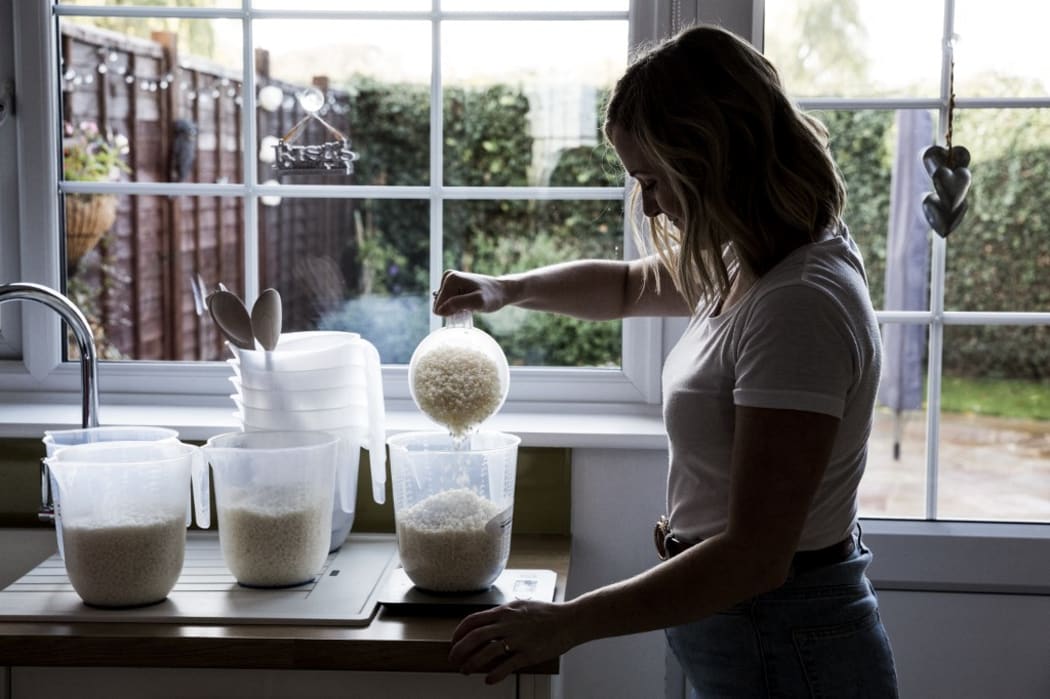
x: 42, y: 375
x: 936, y: 318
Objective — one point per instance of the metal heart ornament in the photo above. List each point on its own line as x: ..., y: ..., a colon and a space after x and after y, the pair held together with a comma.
x: 945, y: 207
x: 939, y: 156
x: 941, y: 219
x: 951, y: 185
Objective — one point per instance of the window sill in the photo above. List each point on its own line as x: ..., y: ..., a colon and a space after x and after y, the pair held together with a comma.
x: 565, y: 428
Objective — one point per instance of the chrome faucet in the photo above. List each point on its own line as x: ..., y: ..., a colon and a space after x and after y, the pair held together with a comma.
x: 26, y: 291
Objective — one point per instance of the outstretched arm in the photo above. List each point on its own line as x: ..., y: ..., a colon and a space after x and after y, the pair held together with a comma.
x: 587, y: 289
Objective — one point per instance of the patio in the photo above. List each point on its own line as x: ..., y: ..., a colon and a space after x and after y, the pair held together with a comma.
x: 990, y: 469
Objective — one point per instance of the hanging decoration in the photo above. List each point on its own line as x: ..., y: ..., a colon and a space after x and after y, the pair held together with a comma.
x: 109, y: 63
x: 948, y: 168
x: 329, y: 158
x: 270, y: 98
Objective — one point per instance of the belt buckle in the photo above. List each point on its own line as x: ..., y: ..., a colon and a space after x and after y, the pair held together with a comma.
x: 660, y: 533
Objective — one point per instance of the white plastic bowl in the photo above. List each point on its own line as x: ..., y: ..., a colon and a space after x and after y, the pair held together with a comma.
x: 305, y: 351
x: 314, y: 399
x: 309, y: 380
x: 352, y: 415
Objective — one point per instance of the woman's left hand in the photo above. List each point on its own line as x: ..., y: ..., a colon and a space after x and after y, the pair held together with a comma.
x: 503, y: 640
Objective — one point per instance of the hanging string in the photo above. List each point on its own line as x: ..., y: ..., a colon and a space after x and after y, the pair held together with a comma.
x: 951, y: 108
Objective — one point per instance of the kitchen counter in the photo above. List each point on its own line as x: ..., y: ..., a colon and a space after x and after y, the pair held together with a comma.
x: 390, y: 643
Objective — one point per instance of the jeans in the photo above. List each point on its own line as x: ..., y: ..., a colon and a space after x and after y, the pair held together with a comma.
x: 818, y: 635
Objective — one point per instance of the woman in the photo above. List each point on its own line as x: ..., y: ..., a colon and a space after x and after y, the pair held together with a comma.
x: 768, y: 396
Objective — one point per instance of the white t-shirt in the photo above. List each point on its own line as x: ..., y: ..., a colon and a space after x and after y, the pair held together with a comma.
x: 803, y: 337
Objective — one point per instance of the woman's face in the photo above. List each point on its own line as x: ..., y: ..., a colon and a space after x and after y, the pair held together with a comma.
x: 656, y: 195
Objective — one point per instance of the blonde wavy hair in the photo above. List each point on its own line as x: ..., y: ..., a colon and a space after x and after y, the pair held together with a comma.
x: 752, y: 175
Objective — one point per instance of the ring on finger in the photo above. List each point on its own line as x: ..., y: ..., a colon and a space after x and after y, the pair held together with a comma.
x: 506, y: 646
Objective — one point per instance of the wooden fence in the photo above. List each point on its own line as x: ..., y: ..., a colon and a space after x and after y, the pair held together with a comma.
x: 140, y: 276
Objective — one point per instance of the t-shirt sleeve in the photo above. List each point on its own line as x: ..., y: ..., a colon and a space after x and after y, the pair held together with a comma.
x: 796, y: 352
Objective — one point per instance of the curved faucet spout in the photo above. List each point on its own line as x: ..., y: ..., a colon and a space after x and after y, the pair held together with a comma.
x: 26, y: 291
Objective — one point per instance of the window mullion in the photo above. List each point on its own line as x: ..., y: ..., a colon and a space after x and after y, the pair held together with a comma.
x: 937, y: 273
x: 437, y: 173
x: 249, y: 156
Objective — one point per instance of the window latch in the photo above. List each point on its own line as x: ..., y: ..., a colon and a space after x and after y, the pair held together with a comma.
x: 7, y: 100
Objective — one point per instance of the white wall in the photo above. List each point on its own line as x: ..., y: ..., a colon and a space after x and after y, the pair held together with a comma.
x: 616, y: 496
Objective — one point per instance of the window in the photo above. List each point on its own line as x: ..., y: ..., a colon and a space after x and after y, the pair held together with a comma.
x: 964, y: 419
x: 475, y: 127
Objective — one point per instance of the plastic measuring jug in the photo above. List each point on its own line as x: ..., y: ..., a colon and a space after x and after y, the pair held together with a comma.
x: 274, y: 494
x: 125, y: 513
x: 57, y: 439
x: 302, y: 360
x: 453, y: 507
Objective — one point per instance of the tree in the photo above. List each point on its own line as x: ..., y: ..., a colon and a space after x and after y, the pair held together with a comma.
x: 829, y: 56
x: 195, y: 36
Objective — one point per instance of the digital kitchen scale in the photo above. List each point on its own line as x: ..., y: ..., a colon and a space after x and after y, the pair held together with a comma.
x: 400, y: 596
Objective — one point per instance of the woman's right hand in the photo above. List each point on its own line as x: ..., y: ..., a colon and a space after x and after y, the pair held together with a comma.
x: 465, y: 291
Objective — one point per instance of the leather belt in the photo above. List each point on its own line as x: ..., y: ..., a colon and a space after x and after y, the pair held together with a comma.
x: 668, y: 546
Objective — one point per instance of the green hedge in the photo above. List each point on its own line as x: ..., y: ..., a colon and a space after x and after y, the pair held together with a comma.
x: 487, y: 143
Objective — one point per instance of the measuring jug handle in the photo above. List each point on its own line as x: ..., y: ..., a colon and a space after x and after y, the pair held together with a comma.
x: 201, y: 488
x: 376, y: 421
x: 349, y: 451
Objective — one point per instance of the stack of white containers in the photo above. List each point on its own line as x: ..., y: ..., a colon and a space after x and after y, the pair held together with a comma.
x: 327, y: 381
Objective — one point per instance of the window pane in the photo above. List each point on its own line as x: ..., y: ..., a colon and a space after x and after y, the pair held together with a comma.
x: 133, y: 262
x: 499, y: 237
x: 894, y: 483
x: 376, y: 76
x: 151, y: 100
x: 349, y: 264
x: 1000, y: 48
x: 999, y: 257
x: 995, y: 423
x: 830, y: 48
x: 511, y: 111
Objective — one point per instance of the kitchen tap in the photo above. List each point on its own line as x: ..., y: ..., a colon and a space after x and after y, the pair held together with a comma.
x: 26, y: 291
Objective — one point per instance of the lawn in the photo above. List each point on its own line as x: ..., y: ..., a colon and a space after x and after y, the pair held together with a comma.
x: 1027, y: 400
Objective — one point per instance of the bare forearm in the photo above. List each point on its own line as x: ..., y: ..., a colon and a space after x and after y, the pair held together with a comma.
x: 588, y: 289
x: 704, y: 580
x: 596, y: 290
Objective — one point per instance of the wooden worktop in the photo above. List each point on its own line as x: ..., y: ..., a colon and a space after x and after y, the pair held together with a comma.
x: 388, y: 643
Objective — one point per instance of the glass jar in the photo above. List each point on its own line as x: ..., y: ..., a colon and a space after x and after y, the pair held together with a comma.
x: 458, y: 375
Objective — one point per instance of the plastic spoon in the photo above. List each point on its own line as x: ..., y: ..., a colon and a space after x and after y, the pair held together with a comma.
x: 229, y: 313
x: 266, y: 319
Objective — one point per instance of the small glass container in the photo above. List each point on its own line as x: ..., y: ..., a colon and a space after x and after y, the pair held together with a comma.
x: 458, y: 375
